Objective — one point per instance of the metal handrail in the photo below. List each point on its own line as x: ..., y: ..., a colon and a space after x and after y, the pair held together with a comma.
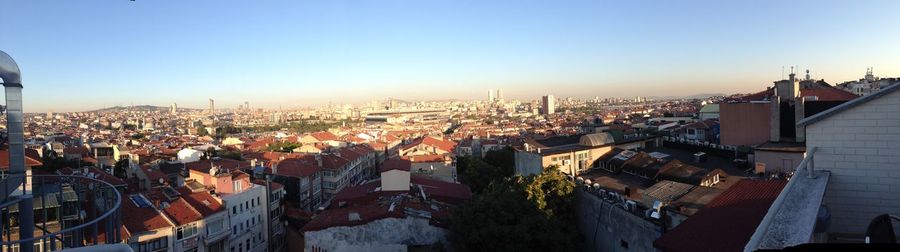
x: 109, y: 212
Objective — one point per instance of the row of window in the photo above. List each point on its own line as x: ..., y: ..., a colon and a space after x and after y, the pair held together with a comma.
x: 246, y: 224
x: 185, y: 231
x: 246, y: 206
x: 151, y: 245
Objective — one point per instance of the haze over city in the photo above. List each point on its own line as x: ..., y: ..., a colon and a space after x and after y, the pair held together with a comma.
x: 86, y: 55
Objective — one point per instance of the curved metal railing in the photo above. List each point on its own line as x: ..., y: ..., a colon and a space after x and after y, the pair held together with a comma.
x: 69, y: 211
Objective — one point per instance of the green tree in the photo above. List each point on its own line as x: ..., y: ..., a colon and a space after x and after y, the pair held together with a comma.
x: 119, y: 168
x: 283, y: 146
x: 478, y: 174
x: 507, y: 216
x: 201, y: 131
x: 211, y: 152
x: 505, y: 159
x: 551, y: 191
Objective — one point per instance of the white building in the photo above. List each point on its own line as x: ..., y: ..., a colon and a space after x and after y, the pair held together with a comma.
x: 188, y: 155
x: 867, y: 85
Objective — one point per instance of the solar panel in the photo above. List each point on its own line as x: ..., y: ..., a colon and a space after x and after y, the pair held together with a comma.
x: 140, y: 201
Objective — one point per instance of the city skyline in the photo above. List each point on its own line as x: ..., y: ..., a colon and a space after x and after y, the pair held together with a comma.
x: 306, y: 54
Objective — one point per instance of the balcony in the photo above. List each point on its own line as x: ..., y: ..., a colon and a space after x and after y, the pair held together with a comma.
x: 792, y: 218
x: 65, y: 212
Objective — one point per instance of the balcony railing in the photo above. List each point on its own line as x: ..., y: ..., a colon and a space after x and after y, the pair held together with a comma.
x: 55, y: 212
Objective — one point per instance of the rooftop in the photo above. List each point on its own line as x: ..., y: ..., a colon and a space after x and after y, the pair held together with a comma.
x: 726, y: 223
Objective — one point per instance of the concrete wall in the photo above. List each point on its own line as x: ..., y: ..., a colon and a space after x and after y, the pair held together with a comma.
x: 744, y: 123
x: 528, y: 163
x: 605, y: 227
x: 861, y: 148
x: 395, y: 180
x: 387, y: 234
x: 778, y: 161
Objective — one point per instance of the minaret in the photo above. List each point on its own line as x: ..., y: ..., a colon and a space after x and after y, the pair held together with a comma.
x: 807, y: 74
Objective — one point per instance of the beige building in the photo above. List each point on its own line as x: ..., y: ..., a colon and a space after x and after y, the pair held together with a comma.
x: 572, y: 154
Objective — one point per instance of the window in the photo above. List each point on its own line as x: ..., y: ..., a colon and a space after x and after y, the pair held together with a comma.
x: 624, y: 244
x: 248, y: 244
x: 151, y: 245
x: 215, y: 226
x: 234, y: 209
x: 186, y: 231
x: 238, y: 186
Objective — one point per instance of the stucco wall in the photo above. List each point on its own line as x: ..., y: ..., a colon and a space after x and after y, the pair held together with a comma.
x: 861, y: 148
x: 778, y: 161
x: 386, y: 234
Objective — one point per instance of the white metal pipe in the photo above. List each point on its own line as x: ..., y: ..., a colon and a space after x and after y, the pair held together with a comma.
x: 12, y: 83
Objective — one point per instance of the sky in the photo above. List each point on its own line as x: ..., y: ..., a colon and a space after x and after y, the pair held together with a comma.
x: 82, y: 55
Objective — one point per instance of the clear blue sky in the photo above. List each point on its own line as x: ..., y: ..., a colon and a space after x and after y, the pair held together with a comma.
x: 78, y: 55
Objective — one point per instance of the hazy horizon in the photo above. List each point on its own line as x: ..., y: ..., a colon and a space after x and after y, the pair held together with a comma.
x: 78, y: 56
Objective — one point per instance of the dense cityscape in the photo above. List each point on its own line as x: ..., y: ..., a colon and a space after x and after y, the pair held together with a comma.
x: 569, y: 148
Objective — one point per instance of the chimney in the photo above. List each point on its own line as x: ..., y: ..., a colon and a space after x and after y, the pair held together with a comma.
x: 799, y: 110
x: 319, y: 159
x: 275, y: 168
x: 775, y: 119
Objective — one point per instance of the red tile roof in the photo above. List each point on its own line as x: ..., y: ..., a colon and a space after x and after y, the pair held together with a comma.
x: 332, y: 162
x: 396, y: 164
x: 442, y: 144
x: 29, y: 161
x: 224, y: 163
x: 323, y: 136
x: 425, y: 158
x: 726, y: 223
x: 142, y: 219
x: 181, y: 212
x: 153, y: 174
x: 298, y: 167
x: 203, y: 202
x: 371, y: 204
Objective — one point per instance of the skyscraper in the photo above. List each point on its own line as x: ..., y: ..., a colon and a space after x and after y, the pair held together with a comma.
x: 212, y: 106
x: 490, y: 95
x: 174, y: 108
x: 548, y: 104
x: 500, y: 94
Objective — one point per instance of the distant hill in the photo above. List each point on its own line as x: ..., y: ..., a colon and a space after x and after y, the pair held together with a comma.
x: 696, y: 96
x: 138, y: 108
